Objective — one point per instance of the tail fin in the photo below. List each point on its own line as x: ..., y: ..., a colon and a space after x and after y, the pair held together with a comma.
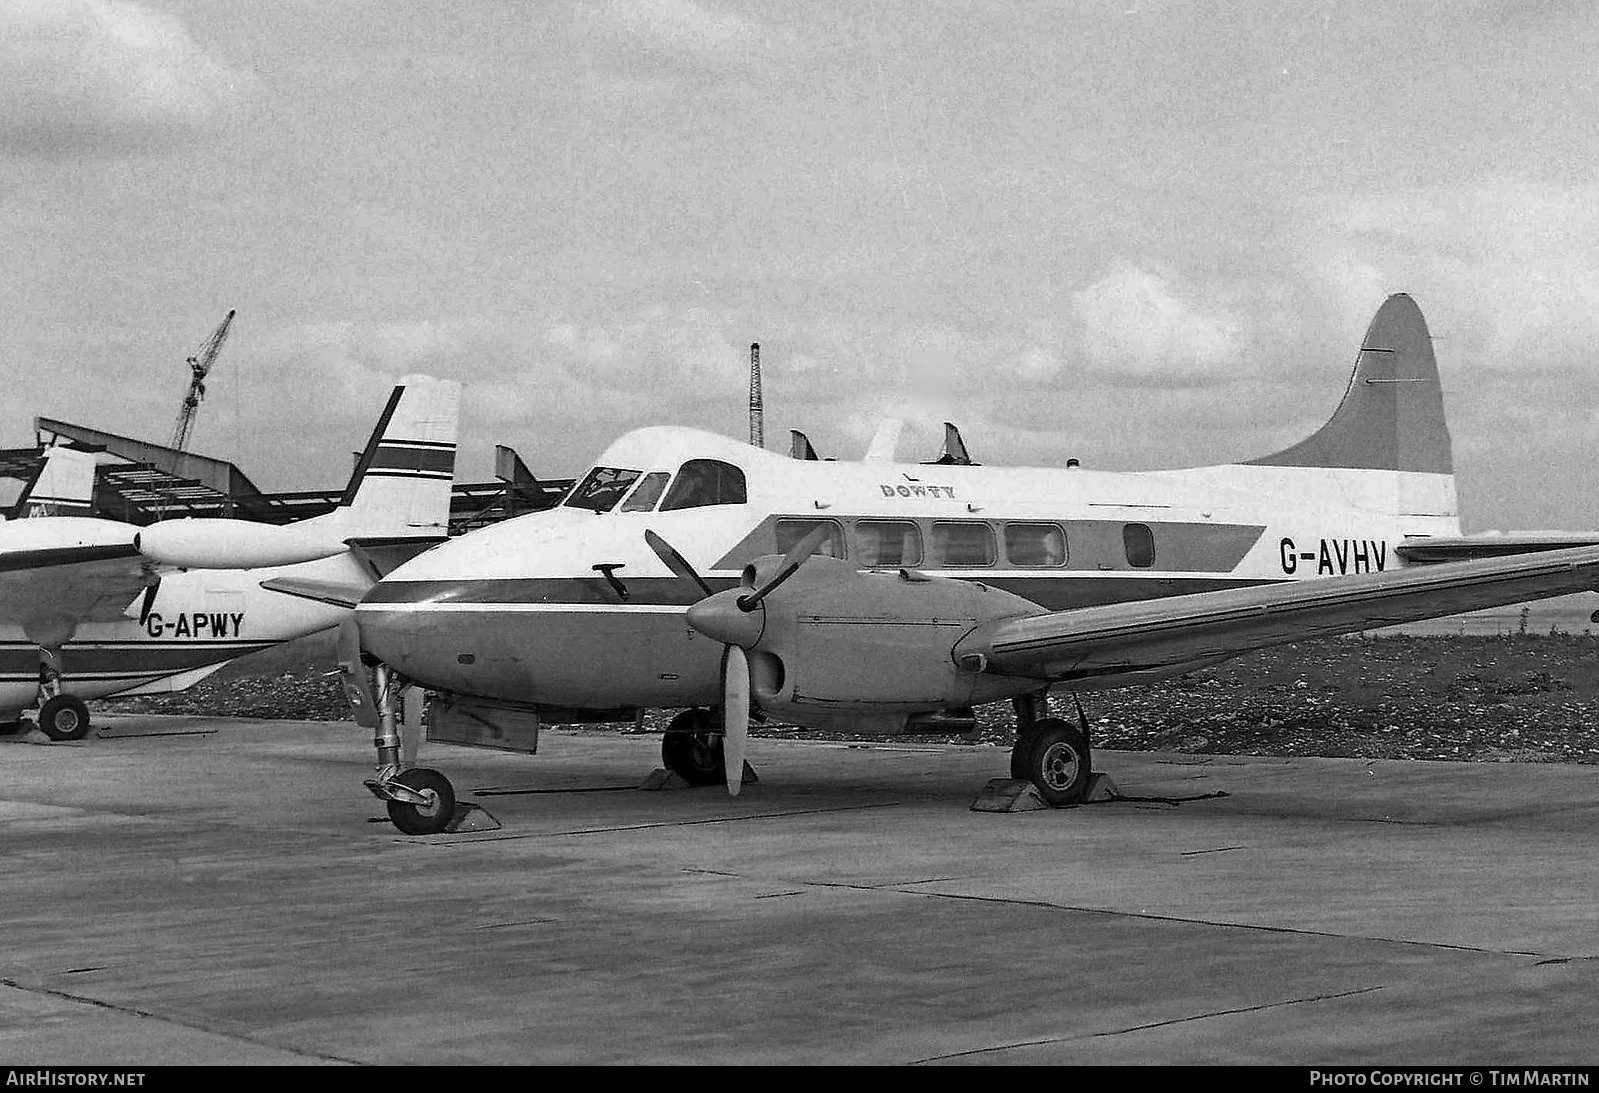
x: 1392, y: 415
x: 63, y: 486
x: 401, y: 485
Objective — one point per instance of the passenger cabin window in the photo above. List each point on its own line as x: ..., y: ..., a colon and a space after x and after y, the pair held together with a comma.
x: 648, y: 492
x: 962, y: 543
x: 1139, y: 542
x: 601, y: 489
x: 702, y: 482
x: 887, y: 542
x: 1035, y: 544
x: 791, y: 532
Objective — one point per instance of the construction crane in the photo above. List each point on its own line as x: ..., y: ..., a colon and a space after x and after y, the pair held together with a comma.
x: 199, y: 367
x: 757, y: 412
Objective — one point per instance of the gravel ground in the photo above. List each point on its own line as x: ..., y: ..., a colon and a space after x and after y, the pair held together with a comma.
x: 1526, y: 698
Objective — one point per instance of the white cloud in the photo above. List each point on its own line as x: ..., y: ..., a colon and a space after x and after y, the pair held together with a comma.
x: 680, y: 26
x: 1511, y: 269
x: 1136, y: 323
x: 104, y: 77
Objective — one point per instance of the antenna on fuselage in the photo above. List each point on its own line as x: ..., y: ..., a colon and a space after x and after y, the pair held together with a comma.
x: 757, y: 410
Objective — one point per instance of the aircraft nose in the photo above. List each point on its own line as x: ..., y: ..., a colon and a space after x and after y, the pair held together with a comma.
x: 719, y: 617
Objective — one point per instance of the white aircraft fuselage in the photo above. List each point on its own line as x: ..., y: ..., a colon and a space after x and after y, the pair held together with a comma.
x: 524, y: 611
x: 198, y: 621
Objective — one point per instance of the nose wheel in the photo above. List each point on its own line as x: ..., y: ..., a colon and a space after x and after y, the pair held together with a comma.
x: 429, y: 805
x: 420, y: 801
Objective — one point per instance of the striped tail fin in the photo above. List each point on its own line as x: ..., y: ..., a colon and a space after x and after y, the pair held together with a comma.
x: 63, y: 486
x: 402, y: 482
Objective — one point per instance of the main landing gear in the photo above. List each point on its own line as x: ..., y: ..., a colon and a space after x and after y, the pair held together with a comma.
x: 1051, y: 753
x: 421, y: 801
x: 692, y: 748
x: 61, y: 716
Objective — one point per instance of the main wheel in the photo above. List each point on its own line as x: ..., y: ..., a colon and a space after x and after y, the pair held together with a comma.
x: 1053, y: 755
x: 424, y: 819
x: 64, y: 718
x: 692, y: 750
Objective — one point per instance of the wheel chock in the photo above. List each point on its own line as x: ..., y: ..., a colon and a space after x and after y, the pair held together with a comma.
x: 36, y: 736
x: 1100, y: 788
x: 661, y: 778
x: 1008, y: 795
x: 469, y: 817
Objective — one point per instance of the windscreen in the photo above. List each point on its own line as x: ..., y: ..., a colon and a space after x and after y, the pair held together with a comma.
x: 601, y: 489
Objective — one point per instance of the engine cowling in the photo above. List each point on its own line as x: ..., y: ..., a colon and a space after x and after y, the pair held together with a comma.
x: 835, y: 645
x: 202, y: 543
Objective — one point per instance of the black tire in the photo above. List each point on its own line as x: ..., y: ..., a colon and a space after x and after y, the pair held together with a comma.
x: 692, y: 749
x: 64, y: 717
x: 1053, y: 755
x: 429, y: 819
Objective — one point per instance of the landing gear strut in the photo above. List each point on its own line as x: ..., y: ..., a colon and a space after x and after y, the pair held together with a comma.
x: 1051, y: 753
x: 61, y: 716
x: 692, y: 748
x: 421, y: 801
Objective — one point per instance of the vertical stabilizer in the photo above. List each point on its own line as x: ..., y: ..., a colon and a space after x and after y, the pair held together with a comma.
x: 64, y: 485
x: 1392, y: 415
x: 401, y: 485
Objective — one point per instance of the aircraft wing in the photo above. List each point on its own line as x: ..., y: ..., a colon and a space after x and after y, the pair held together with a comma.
x: 1155, y: 635
x: 87, y: 588
x: 1466, y: 547
x: 68, y: 569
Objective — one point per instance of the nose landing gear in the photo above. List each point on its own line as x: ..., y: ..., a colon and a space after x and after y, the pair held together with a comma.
x: 420, y: 801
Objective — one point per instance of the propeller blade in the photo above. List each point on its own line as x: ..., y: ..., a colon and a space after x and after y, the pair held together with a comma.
x: 675, y: 561
x: 148, y: 601
x: 735, y: 715
x: 787, y: 568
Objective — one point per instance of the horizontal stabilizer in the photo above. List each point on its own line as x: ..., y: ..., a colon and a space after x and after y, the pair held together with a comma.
x: 1467, y: 547
x: 337, y: 593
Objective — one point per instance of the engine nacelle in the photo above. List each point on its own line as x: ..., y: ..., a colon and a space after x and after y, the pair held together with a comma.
x: 837, y: 646
x: 201, y: 543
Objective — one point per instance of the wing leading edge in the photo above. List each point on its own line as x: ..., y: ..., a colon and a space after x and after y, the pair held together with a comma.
x: 1182, y: 630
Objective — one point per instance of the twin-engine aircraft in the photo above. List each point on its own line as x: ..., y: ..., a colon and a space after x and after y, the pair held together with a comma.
x: 91, y: 607
x: 690, y: 571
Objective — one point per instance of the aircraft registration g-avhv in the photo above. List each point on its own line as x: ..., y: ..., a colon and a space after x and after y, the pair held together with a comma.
x: 92, y: 607
x: 906, y: 594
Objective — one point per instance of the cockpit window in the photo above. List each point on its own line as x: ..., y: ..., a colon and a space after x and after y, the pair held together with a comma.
x: 649, y: 491
x: 703, y: 482
x: 601, y: 489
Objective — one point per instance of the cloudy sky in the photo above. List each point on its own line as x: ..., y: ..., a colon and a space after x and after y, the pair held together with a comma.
x: 1140, y: 232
